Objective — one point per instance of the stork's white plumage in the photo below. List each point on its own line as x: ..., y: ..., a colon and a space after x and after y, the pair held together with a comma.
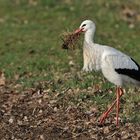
x: 117, y: 67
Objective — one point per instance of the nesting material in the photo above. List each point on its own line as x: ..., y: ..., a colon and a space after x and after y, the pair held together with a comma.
x: 69, y: 40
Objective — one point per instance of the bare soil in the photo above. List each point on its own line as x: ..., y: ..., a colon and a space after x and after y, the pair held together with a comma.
x: 44, y: 114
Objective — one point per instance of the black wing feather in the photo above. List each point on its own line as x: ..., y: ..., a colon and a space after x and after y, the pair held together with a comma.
x: 133, y: 73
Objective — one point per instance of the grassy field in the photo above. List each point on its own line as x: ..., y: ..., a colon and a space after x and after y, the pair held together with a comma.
x: 31, y: 53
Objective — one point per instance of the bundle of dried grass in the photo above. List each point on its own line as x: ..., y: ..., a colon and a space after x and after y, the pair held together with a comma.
x: 69, y: 40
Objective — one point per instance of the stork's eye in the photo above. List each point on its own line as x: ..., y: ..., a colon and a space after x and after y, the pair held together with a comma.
x: 83, y: 25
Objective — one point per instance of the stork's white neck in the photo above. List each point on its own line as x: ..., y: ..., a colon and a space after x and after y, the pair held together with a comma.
x: 89, y: 35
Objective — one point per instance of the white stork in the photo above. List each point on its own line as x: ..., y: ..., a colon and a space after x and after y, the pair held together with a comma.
x: 117, y: 67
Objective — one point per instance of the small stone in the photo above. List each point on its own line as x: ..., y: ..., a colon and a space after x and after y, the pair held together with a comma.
x: 71, y: 63
x: 131, y: 26
x: 42, y: 137
x: 126, y: 136
x: 55, y: 109
x: 25, y: 118
x: 40, y: 111
x: 106, y: 130
x: 40, y: 101
x: 11, y: 120
x: 19, y: 122
x: 53, y: 101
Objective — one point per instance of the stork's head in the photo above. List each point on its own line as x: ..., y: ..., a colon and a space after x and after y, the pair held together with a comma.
x: 86, y: 26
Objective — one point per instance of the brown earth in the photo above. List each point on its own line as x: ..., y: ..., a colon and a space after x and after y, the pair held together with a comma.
x: 44, y: 114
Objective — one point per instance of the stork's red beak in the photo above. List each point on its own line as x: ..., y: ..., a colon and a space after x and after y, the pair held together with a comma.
x: 79, y: 30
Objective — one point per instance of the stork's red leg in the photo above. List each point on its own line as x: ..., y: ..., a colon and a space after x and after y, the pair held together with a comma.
x: 105, y: 114
x: 117, y: 106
